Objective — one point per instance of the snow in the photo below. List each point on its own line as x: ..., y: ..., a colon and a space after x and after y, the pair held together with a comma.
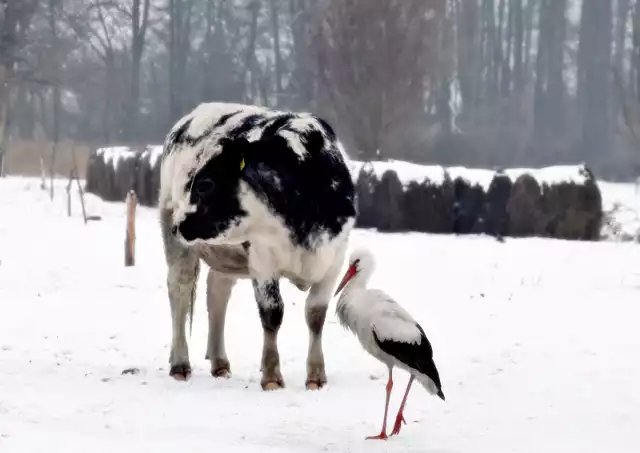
x: 556, y: 174
x: 406, y: 171
x: 114, y: 154
x: 621, y: 202
x: 473, y: 176
x: 536, y: 342
x: 154, y: 151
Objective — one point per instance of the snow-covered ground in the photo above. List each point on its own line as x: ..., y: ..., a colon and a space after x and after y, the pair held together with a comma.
x: 622, y: 201
x: 536, y: 341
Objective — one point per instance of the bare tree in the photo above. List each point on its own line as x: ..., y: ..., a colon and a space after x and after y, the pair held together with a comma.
x: 374, y: 59
x: 596, y: 93
x: 139, y: 17
x: 180, y: 18
x: 15, y: 16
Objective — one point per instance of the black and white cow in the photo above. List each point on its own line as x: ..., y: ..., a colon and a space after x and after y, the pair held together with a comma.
x: 254, y: 193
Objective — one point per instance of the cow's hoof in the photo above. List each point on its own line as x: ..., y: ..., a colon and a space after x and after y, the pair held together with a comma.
x: 180, y: 372
x: 316, y: 377
x: 272, y: 385
x: 221, y: 373
x: 315, y: 385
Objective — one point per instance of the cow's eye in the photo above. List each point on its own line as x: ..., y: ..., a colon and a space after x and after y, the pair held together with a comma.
x: 204, y: 187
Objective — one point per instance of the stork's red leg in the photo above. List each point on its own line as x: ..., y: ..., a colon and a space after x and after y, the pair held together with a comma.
x: 383, y: 433
x: 400, y: 417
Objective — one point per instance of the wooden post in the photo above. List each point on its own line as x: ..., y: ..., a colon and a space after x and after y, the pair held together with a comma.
x: 43, y: 175
x: 69, y: 193
x: 53, y: 156
x: 130, y: 238
x: 77, y: 176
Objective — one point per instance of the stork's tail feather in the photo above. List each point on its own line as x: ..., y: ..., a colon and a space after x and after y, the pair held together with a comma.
x: 430, y: 386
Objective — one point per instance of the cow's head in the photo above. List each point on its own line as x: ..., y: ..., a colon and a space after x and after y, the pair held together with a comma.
x: 213, y: 196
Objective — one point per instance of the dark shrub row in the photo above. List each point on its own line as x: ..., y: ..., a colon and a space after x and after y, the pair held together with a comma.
x: 112, y: 172
x: 513, y: 203
x: 439, y: 200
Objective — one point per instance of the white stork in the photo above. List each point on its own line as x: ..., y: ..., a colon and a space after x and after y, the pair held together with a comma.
x: 386, y: 331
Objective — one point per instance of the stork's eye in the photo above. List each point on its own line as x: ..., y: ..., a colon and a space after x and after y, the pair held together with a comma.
x: 204, y: 187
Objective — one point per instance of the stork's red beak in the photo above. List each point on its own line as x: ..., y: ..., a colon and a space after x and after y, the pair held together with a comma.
x: 351, y: 271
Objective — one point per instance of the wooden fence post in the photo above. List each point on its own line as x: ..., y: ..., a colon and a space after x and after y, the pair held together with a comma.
x: 130, y: 238
x: 69, y: 193
x: 76, y: 173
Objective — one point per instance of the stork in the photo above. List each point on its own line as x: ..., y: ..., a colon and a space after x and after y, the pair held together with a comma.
x: 386, y: 331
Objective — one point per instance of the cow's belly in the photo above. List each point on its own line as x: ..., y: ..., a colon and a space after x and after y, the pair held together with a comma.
x: 268, y: 258
x: 301, y: 266
x: 226, y: 259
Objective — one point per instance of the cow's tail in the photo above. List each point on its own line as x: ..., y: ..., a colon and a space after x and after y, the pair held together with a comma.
x: 191, y: 305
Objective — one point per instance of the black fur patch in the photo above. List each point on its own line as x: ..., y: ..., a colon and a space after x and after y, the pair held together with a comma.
x: 224, y: 118
x: 417, y: 356
x: 248, y: 123
x: 214, y: 191
x: 178, y: 136
x: 312, y: 195
x: 312, y: 139
x: 270, y: 305
x: 328, y: 130
x: 275, y: 124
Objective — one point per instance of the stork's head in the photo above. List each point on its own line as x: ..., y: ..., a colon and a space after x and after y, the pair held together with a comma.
x: 361, y: 264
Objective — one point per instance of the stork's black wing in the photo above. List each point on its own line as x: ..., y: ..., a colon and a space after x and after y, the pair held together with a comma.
x: 418, y: 356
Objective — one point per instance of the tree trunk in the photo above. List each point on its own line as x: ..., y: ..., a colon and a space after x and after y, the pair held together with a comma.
x: 250, y: 63
x: 5, y: 90
x: 140, y: 19
x: 277, y: 54
x: 179, y: 50
x: 468, y: 56
x: 530, y: 13
x: 518, y: 43
x: 635, y: 80
x: 597, y: 126
x: 55, y: 132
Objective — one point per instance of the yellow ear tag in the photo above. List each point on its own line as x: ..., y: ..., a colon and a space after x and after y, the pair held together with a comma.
x: 242, y: 164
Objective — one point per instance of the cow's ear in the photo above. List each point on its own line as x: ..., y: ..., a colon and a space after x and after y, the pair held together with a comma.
x: 235, y: 153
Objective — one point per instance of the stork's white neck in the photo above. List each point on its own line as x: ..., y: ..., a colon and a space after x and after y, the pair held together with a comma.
x: 347, y: 306
x: 357, y: 283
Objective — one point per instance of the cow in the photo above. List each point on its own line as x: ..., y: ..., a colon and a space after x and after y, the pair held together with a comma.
x: 259, y: 194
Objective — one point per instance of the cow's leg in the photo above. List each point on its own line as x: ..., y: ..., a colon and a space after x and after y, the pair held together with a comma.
x: 271, y: 309
x: 316, y: 307
x: 183, y: 269
x: 219, y: 288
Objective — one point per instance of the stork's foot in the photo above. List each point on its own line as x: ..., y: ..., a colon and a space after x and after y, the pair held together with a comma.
x: 180, y: 372
x: 398, y: 424
x: 220, y: 368
x: 381, y: 436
